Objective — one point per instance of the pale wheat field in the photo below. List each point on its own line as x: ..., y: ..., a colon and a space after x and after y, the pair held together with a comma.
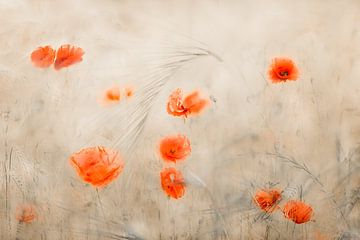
x: 301, y: 137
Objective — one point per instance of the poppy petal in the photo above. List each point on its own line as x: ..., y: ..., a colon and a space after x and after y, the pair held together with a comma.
x: 68, y: 55
x: 43, y: 57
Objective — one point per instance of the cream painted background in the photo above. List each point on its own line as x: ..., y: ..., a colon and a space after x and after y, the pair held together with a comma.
x: 46, y: 115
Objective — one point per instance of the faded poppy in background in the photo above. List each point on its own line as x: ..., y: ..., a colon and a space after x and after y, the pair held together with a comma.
x: 25, y: 213
x: 175, y: 148
x: 110, y: 96
x: 297, y: 211
x: 43, y: 57
x: 68, y: 55
x: 97, y: 165
x: 172, y: 182
x: 129, y: 91
x: 267, y: 199
x: 113, y: 94
x: 282, y: 70
x: 191, y: 104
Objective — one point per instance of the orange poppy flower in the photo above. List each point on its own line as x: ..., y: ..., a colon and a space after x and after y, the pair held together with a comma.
x: 297, y: 211
x: 25, y: 213
x: 174, y: 105
x: 267, y: 199
x: 282, y: 70
x: 172, y: 182
x: 43, y: 57
x: 97, y: 165
x: 190, y: 105
x: 68, y: 55
x: 175, y: 148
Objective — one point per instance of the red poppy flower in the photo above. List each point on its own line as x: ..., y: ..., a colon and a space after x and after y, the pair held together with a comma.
x: 25, y: 213
x: 97, y: 165
x: 68, y: 55
x: 174, y: 105
x: 172, y: 182
x: 175, y: 148
x: 192, y: 104
x: 267, y: 199
x: 297, y: 211
x: 282, y: 70
x: 43, y: 57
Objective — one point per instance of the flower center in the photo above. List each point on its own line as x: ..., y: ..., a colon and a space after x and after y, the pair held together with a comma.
x: 172, y: 177
x: 284, y: 73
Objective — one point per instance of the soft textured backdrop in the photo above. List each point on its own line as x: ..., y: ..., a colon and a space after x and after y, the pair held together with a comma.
x: 301, y: 136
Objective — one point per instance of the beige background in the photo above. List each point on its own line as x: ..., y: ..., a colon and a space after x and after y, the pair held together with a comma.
x: 301, y: 136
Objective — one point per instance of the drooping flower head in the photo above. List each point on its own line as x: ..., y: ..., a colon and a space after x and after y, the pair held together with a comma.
x: 267, y: 199
x: 172, y: 182
x: 97, y: 165
x: 298, y: 211
x: 175, y: 148
x: 43, y: 57
x: 67, y: 55
x: 282, y: 70
x: 192, y: 104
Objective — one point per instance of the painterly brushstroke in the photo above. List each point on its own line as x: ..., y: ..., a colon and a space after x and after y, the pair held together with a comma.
x: 192, y: 104
x: 172, y: 182
x: 43, y: 57
x: 298, y: 211
x: 175, y: 148
x: 25, y: 213
x: 68, y: 55
x: 282, y: 70
x: 267, y: 199
x: 97, y: 165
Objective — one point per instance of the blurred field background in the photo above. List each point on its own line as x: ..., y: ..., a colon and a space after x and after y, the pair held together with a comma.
x: 301, y: 137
